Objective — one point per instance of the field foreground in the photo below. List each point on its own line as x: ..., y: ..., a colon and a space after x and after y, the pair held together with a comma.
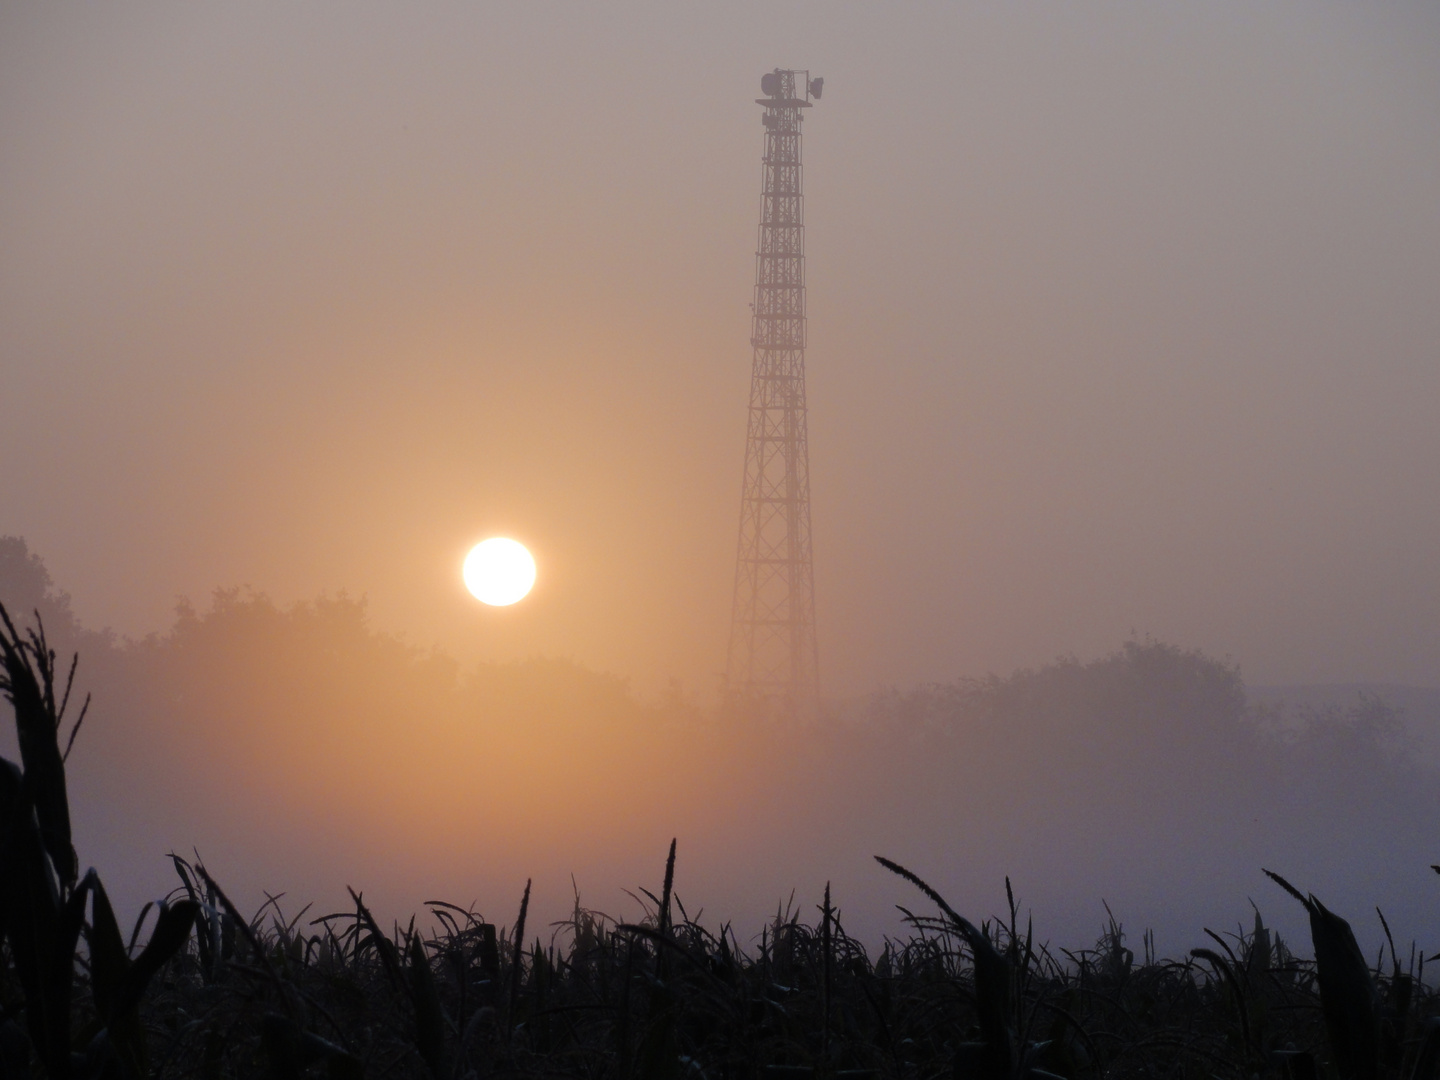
x: 216, y: 993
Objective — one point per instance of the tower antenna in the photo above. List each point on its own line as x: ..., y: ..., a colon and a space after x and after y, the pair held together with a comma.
x: 773, y: 663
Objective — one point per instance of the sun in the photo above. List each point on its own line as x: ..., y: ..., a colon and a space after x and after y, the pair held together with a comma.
x: 499, y: 571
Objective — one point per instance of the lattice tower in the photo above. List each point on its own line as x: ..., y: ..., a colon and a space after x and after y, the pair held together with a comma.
x: 773, y: 661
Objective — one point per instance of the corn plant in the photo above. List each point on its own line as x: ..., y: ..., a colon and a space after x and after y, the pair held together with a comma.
x: 43, y: 899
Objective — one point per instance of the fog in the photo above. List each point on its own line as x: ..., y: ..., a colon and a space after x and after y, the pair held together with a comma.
x: 1122, y: 331
x: 298, y: 751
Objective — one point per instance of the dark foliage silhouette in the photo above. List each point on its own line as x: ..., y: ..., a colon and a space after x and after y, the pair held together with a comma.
x: 43, y: 899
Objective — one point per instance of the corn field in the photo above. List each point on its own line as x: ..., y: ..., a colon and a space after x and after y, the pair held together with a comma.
x: 214, y: 992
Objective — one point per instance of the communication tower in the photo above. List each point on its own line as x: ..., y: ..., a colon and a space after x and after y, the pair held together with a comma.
x: 773, y: 662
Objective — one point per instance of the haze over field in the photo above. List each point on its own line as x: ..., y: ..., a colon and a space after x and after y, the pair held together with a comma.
x: 299, y: 749
x: 1123, y: 325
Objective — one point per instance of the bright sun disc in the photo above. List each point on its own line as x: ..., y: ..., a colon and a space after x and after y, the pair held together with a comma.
x: 499, y: 571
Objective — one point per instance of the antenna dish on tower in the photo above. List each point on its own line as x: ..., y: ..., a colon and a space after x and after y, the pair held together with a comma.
x: 770, y: 84
x: 816, y: 85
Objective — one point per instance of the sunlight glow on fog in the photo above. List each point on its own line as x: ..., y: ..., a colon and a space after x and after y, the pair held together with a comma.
x: 1123, y: 323
x: 1122, y: 319
x: 299, y: 750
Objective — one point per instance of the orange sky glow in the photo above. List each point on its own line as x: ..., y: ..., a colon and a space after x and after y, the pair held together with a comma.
x: 1123, y: 324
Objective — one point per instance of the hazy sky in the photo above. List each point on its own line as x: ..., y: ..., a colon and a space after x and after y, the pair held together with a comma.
x: 1124, y: 318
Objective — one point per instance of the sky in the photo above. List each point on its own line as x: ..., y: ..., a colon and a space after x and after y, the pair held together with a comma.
x: 1123, y: 322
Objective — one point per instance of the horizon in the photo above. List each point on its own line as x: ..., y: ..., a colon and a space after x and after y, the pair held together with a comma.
x: 1321, y: 692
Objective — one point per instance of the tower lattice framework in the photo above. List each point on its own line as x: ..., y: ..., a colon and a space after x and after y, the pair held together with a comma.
x: 772, y: 656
